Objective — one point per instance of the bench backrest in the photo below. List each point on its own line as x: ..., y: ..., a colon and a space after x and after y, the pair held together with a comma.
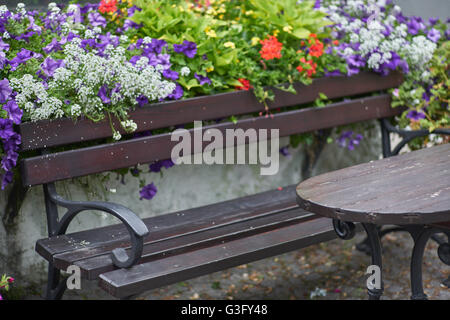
x: 50, y: 167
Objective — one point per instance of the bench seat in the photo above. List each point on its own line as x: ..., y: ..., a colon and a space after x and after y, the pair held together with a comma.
x: 190, y: 243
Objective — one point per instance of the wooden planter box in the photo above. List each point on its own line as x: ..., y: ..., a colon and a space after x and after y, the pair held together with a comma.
x: 45, y: 134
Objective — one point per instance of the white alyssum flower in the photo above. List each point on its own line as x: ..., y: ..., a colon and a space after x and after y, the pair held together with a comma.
x: 185, y: 71
x: 117, y: 135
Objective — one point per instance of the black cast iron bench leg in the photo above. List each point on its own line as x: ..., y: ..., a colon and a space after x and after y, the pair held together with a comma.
x: 58, y: 226
x: 346, y: 230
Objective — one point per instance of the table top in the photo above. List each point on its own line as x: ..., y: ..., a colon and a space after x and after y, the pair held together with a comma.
x: 412, y: 188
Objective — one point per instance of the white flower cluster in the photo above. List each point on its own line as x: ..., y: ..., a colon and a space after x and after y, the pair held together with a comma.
x: 98, y: 85
x: 371, y: 37
x: 34, y: 99
x: 87, y: 73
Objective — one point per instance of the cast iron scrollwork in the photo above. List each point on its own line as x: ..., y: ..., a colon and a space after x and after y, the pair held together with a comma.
x: 136, y: 228
x: 344, y: 229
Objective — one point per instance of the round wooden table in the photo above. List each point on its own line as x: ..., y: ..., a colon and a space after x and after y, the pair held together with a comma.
x: 410, y: 190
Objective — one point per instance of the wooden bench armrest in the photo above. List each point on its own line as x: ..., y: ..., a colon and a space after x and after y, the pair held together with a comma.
x: 135, y: 226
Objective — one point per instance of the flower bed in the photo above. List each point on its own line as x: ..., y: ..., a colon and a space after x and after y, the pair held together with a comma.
x: 102, y: 61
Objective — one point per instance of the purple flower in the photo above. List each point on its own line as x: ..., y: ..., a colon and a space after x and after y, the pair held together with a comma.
x: 156, y: 166
x: 142, y: 100
x: 167, y: 163
x: 5, y: 90
x: 170, y: 74
x: 49, y: 66
x: 432, y: 21
x: 7, y: 178
x: 354, y: 63
x: 3, y: 60
x: 177, y: 93
x: 202, y: 79
x: 132, y: 10
x: 96, y: 19
x: 396, y: 92
x: 415, y: 115
x: 148, y: 192
x: 13, y: 143
x: 52, y: 46
x: 285, y: 151
x: 14, y: 112
x: 9, y: 161
x: 187, y: 48
x: 89, y: 7
x: 434, y: 35
x: 6, y: 129
x: 414, y: 26
x: 103, y: 94
x: 130, y: 24
x: 4, y: 46
x: 157, y: 45
x: 23, y: 56
x: 164, y: 60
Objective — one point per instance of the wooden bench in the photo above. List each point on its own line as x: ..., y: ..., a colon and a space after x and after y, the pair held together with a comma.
x: 139, y: 255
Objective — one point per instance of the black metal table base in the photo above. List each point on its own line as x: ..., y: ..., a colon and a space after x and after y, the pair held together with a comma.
x: 420, y: 234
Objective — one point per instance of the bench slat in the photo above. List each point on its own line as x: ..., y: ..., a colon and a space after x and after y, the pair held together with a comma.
x: 171, y: 225
x: 126, y: 282
x: 81, y: 162
x: 58, y: 132
x: 91, y: 268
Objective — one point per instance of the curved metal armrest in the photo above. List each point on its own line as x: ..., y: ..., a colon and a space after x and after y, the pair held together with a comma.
x: 135, y: 226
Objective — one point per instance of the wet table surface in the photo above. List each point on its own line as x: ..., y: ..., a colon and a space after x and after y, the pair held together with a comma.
x: 412, y: 188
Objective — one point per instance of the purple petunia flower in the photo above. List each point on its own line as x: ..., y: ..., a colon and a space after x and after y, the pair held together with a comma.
x: 170, y: 74
x: 434, y: 35
x: 414, y: 26
x: 285, y: 151
x: 415, y: 115
x: 202, y: 79
x: 187, y: 48
x: 164, y: 60
x: 148, y: 192
x: 177, y: 93
x: 128, y: 24
x: 167, y: 163
x: 49, y: 66
x: 4, y: 46
x: 6, y: 129
x: 432, y: 21
x: 155, y: 167
x: 142, y: 100
x: 14, y: 112
x: 7, y: 178
x: 54, y: 45
x: 354, y: 63
x: 157, y: 45
x: 5, y: 90
x: 96, y: 19
x: 103, y: 94
x: 23, y: 56
x: 3, y: 60
x: 9, y: 161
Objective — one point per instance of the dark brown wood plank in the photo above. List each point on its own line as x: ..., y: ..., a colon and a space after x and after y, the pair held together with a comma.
x: 125, y: 282
x: 172, y: 225
x: 80, y: 162
x: 412, y: 188
x: 44, y: 134
x: 93, y: 264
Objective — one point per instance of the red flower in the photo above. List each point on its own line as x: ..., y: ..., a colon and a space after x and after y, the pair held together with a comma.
x: 108, y: 6
x: 245, y: 84
x: 316, y: 50
x: 271, y: 48
x: 309, y: 66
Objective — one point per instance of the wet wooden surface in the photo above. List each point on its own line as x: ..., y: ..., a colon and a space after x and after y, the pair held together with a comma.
x: 412, y: 188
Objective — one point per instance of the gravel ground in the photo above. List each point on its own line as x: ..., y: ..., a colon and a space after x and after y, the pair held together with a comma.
x: 328, y: 271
